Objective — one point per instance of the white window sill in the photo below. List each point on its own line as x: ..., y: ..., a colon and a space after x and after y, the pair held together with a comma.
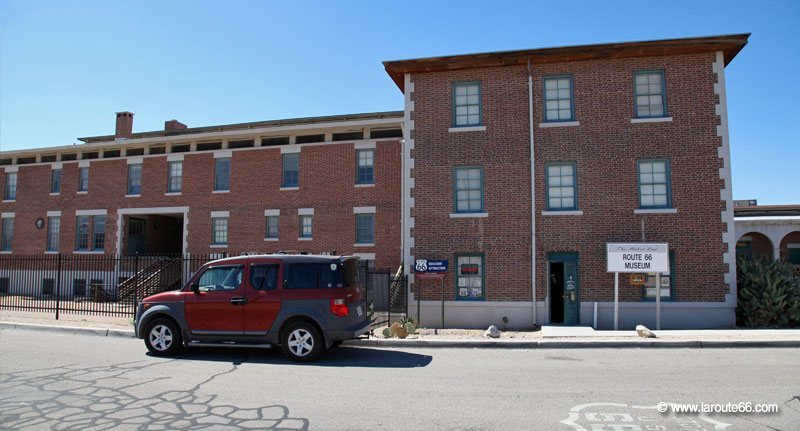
x: 559, y: 124
x: 5, y: 252
x: 219, y: 246
x: 83, y: 192
x: 467, y: 129
x: 133, y: 196
x: 305, y: 238
x: 221, y: 191
x: 468, y: 215
x: 365, y: 185
x: 563, y: 213
x: 89, y: 252
x: 55, y: 194
x: 270, y: 239
x: 173, y: 194
x: 370, y: 244
x: 51, y: 252
x: 6, y: 201
x: 652, y: 120
x: 290, y: 188
x: 656, y: 211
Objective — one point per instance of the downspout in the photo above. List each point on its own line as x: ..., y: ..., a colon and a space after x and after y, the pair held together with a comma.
x: 533, y: 198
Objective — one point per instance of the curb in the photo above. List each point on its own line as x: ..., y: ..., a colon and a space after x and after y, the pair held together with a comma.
x: 467, y: 344
x: 102, y: 332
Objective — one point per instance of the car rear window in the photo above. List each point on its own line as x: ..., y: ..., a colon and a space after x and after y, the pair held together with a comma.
x: 264, y: 276
x: 314, y: 276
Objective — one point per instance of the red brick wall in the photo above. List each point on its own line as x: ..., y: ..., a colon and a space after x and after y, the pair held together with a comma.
x: 606, y: 147
x: 327, y: 176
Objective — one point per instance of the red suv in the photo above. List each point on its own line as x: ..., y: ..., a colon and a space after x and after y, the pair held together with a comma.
x: 303, y: 303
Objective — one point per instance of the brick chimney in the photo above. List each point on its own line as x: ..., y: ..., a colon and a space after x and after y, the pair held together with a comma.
x: 173, y: 125
x: 124, y: 125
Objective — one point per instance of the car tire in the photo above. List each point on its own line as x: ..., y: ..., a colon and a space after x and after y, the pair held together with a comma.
x: 163, y: 337
x: 301, y: 342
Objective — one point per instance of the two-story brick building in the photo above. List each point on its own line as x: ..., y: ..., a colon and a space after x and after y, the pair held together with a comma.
x: 517, y: 167
x: 520, y: 166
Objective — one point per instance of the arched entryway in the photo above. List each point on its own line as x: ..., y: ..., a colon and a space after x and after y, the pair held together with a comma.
x: 754, y: 245
x: 790, y: 248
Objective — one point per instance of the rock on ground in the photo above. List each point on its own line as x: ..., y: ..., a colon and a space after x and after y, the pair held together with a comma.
x: 492, y: 332
x: 644, y: 332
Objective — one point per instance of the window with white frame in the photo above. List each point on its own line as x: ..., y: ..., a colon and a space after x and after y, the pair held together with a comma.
x: 83, y: 179
x: 561, y: 186
x: 654, y: 184
x: 272, y: 226
x: 7, y: 234
x: 222, y: 174
x: 290, y: 170
x: 649, y: 90
x: 365, y: 173
x: 306, y: 226
x: 466, y: 104
x: 365, y: 228
x: 53, y: 232
x: 11, y: 186
x: 98, y: 232
x: 82, y: 233
x: 55, y: 181
x: 219, y: 231
x: 558, y: 99
x: 469, y: 277
x: 175, y: 177
x: 468, y: 185
x: 135, y: 179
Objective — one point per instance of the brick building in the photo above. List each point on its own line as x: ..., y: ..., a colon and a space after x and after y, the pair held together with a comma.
x: 621, y: 142
x: 517, y: 167
x: 326, y: 184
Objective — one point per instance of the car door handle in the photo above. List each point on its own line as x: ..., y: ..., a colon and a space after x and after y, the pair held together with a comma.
x: 239, y: 300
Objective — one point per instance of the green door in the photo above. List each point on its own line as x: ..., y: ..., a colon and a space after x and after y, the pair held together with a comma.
x: 571, y: 293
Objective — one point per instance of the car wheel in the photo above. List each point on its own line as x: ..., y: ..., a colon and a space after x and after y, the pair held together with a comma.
x: 301, y: 342
x: 163, y: 337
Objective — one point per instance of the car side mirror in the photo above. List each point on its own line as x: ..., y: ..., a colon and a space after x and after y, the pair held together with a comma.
x: 195, y: 288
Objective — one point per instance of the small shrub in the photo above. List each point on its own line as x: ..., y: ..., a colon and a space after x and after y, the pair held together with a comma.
x: 769, y: 294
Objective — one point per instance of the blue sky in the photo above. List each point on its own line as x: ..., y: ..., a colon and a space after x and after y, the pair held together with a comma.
x: 67, y: 67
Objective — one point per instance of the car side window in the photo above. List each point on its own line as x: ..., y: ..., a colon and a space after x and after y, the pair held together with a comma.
x: 221, y: 279
x: 313, y: 276
x: 264, y: 276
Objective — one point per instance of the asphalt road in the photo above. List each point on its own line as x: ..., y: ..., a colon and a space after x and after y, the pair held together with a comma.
x: 70, y: 382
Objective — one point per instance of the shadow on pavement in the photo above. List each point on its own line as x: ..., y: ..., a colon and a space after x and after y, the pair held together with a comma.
x: 337, y: 357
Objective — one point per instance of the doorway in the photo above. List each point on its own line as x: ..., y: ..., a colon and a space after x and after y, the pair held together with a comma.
x: 153, y: 234
x: 564, y: 288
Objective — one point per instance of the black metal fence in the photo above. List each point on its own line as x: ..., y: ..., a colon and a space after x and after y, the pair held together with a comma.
x: 91, y: 284
x: 387, y: 293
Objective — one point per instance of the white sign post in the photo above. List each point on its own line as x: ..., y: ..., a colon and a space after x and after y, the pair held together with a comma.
x: 635, y: 258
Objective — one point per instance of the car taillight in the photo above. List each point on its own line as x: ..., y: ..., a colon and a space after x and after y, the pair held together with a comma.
x: 339, y: 308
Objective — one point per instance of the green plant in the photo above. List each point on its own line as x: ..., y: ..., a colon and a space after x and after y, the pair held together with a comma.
x: 410, y: 328
x: 768, y: 293
x: 387, y: 332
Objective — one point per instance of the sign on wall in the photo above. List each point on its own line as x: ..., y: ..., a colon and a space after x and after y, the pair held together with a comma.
x: 425, y: 265
x: 637, y: 257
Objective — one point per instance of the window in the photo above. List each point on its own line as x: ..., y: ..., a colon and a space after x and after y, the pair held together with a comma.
x: 272, y: 227
x: 222, y: 174
x: 365, y: 228
x: 219, y: 231
x: 667, y: 282
x: 466, y: 104
x: 55, y: 181
x: 47, y: 286
x: 264, y: 277
x: 175, y: 177
x: 365, y: 173
x: 468, y: 183
x: 82, y: 233
x: 78, y: 287
x: 8, y: 234
x: 558, y: 99
x: 291, y: 170
x: 649, y: 89
x: 83, y: 179
x: 313, y: 275
x: 469, y: 277
x: 53, y: 233
x: 11, y: 186
x: 306, y: 222
x: 99, y: 232
x: 561, y: 187
x: 654, y: 184
x: 221, y: 279
x: 135, y: 179
x: 4, y: 282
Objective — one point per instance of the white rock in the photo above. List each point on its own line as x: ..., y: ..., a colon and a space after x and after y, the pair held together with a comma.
x: 492, y: 332
x: 643, y: 331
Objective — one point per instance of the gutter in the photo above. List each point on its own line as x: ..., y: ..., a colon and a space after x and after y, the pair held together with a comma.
x: 533, y: 199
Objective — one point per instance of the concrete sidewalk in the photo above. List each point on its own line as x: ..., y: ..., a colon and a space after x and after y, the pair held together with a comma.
x: 548, y: 337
